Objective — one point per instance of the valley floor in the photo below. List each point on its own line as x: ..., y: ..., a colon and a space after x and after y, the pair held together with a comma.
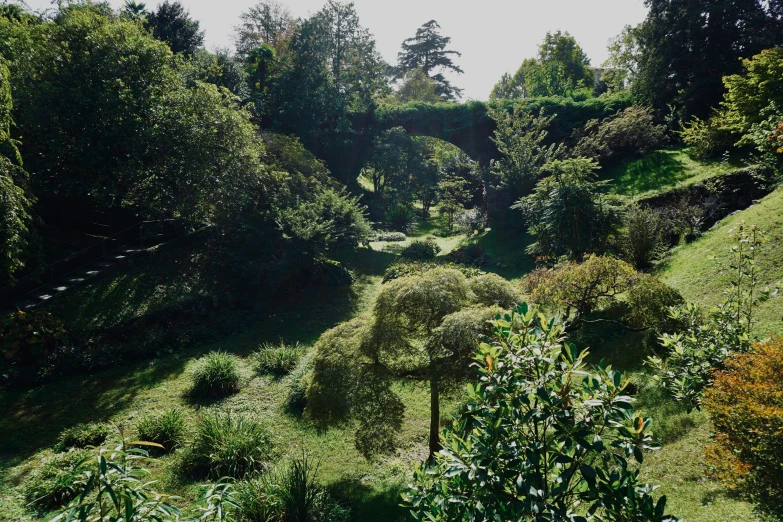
x: 31, y: 421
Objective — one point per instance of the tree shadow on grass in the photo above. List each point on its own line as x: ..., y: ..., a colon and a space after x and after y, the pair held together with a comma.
x: 33, y: 419
x: 367, y: 261
x: 376, y: 504
x: 506, y: 252
x: 655, y: 171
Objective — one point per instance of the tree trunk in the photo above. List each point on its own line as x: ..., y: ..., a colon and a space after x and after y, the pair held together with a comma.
x: 434, y: 417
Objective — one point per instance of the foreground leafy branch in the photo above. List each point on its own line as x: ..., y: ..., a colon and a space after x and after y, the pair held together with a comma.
x: 540, y: 437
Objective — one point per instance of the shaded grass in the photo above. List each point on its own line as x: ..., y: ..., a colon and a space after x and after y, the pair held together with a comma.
x: 664, y: 169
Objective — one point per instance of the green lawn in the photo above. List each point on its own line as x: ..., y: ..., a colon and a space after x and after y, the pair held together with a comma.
x: 700, y: 270
x: 664, y: 169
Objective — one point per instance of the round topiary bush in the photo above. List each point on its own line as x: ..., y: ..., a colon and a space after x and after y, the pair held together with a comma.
x: 169, y: 428
x: 216, y: 375
x: 83, y: 435
x: 227, y: 445
x: 491, y: 289
x: 649, y: 300
x: 53, y: 484
x: 421, y: 250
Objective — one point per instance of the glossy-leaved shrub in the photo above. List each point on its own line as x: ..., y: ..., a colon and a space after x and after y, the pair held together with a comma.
x: 745, y: 404
x: 168, y: 428
x: 539, y: 436
x: 216, y: 375
x: 227, y: 445
x: 83, y: 435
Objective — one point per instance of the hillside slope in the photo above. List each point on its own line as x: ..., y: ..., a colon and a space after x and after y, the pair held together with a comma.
x: 699, y: 270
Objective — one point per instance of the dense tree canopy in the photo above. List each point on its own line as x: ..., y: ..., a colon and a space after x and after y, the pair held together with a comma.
x: 140, y: 136
x: 688, y: 46
x: 16, y: 199
x: 560, y: 68
x: 330, y: 66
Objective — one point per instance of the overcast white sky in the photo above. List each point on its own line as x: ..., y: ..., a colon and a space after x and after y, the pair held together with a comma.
x: 494, y: 36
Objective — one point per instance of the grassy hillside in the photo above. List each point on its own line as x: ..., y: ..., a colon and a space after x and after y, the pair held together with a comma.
x: 664, y: 169
x: 700, y: 270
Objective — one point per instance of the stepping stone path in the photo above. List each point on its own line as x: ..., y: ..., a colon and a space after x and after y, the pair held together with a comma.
x: 81, y: 276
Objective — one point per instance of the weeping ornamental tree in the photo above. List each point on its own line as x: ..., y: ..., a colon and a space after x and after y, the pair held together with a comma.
x: 426, y: 326
x: 541, y: 437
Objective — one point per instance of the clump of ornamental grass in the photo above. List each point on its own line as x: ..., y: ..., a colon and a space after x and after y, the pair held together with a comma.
x: 82, y: 436
x: 277, y: 359
x: 168, y: 428
x: 216, y: 375
x: 227, y: 445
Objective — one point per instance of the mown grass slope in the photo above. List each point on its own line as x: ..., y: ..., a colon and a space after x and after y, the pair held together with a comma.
x: 700, y: 270
x: 665, y: 169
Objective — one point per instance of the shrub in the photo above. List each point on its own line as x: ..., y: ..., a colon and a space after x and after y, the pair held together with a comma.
x: 400, y: 218
x: 472, y: 254
x: 699, y: 347
x: 421, y: 250
x: 649, y: 301
x: 27, y: 339
x: 277, y: 359
x: 632, y: 132
x: 471, y: 221
x: 83, y: 435
x: 707, y: 139
x: 745, y: 404
x: 330, y: 273
x: 391, y: 237
x: 53, y: 483
x: 405, y: 268
x: 642, y: 241
x: 578, y: 289
x: 498, y: 464
x: 227, y: 445
x: 112, y: 485
x: 491, y: 289
x: 169, y: 428
x: 216, y: 375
